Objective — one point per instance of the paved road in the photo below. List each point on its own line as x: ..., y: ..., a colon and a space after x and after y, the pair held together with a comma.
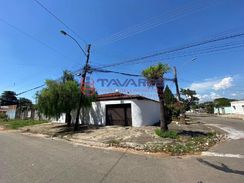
x: 25, y: 159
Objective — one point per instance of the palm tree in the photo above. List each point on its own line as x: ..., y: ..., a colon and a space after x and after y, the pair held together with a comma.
x: 155, y: 77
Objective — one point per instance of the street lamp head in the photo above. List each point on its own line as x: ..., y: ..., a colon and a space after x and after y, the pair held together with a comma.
x: 63, y: 32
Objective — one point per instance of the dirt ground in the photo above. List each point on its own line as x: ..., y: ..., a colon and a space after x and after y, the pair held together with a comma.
x: 134, y: 137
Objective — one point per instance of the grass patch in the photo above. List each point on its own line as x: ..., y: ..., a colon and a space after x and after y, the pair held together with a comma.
x: 113, y: 142
x: 166, y: 134
x: 17, y: 123
x: 190, y: 145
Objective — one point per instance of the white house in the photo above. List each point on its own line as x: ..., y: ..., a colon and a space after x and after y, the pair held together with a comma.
x: 121, y: 109
x: 223, y: 110
x: 238, y: 107
x: 9, y: 110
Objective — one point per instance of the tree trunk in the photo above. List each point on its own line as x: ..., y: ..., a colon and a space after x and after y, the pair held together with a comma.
x: 163, y: 122
x: 68, y: 119
x: 83, y: 116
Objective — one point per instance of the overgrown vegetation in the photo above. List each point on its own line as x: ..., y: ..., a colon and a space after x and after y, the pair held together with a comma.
x: 166, y: 134
x: 3, y: 117
x: 185, y: 145
x: 15, y: 124
x: 113, y: 142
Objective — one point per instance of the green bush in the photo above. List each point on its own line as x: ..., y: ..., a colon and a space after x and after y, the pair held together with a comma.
x: 3, y: 116
x: 166, y: 134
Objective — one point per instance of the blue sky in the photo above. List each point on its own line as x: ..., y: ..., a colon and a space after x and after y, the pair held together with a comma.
x: 32, y: 49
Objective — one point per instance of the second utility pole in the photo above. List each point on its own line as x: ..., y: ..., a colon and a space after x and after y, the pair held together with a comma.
x: 76, y: 126
x: 176, y: 84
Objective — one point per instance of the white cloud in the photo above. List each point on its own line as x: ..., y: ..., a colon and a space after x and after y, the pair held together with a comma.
x: 212, y: 84
x: 208, y: 97
x: 202, y: 86
x: 223, y: 84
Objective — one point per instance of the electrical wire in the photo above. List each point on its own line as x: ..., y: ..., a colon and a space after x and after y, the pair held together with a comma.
x: 59, y: 20
x: 33, y: 38
x: 183, y: 47
x: 40, y: 86
x: 154, y: 22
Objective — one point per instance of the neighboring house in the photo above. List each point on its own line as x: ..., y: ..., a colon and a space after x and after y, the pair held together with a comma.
x: 238, y: 107
x: 9, y: 110
x: 223, y: 110
x: 121, y: 109
x: 236, y: 110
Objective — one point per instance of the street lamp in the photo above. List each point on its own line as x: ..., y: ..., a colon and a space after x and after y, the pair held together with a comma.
x: 66, y: 34
x: 76, y: 126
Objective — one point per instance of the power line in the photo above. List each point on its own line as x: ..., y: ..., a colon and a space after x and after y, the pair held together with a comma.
x: 59, y: 20
x: 37, y: 87
x: 40, y: 86
x: 32, y: 37
x: 187, y: 46
x: 154, y: 22
x: 194, y: 53
x: 122, y: 73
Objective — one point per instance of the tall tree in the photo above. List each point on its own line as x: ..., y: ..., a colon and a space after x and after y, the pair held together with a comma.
x: 222, y: 102
x: 209, y: 107
x: 190, y: 98
x: 8, y: 98
x: 59, y: 97
x: 24, y: 103
x: 155, y: 76
x: 169, y: 98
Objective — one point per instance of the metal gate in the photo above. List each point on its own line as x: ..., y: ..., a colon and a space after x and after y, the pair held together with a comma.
x: 118, y: 114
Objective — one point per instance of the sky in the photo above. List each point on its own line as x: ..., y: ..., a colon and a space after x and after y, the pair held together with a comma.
x: 33, y: 50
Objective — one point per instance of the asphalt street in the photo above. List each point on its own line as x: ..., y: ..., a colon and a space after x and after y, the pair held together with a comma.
x: 29, y: 159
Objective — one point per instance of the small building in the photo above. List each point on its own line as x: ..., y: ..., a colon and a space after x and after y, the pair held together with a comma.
x: 123, y: 109
x: 223, y: 110
x: 9, y: 110
x: 238, y: 107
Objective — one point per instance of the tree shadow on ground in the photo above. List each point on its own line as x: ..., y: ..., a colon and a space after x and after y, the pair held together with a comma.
x: 65, y: 130
x: 192, y: 133
x: 221, y: 167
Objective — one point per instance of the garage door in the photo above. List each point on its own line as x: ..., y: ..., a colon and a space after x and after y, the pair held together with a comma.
x: 118, y: 114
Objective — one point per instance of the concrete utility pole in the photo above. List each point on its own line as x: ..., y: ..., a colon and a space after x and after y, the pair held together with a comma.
x: 86, y: 68
x: 176, y: 84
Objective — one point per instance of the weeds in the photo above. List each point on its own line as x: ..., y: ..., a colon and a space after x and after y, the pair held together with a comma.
x: 166, y: 134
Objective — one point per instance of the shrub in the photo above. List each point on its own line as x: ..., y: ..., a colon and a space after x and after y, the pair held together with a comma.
x: 113, y: 142
x: 166, y: 134
x: 3, y: 116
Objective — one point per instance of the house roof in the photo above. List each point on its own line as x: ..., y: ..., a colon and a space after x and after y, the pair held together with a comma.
x: 237, y: 102
x: 121, y: 96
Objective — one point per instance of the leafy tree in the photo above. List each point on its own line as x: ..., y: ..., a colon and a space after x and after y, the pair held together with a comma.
x: 169, y: 98
x: 155, y: 76
x: 209, y: 106
x: 8, y: 98
x: 24, y: 103
x: 59, y: 97
x: 222, y: 102
x: 190, y: 98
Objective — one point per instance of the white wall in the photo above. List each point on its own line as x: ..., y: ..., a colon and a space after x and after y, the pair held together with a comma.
x: 238, y: 107
x: 223, y: 110
x: 148, y: 113
x: 143, y: 112
x: 11, y: 113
